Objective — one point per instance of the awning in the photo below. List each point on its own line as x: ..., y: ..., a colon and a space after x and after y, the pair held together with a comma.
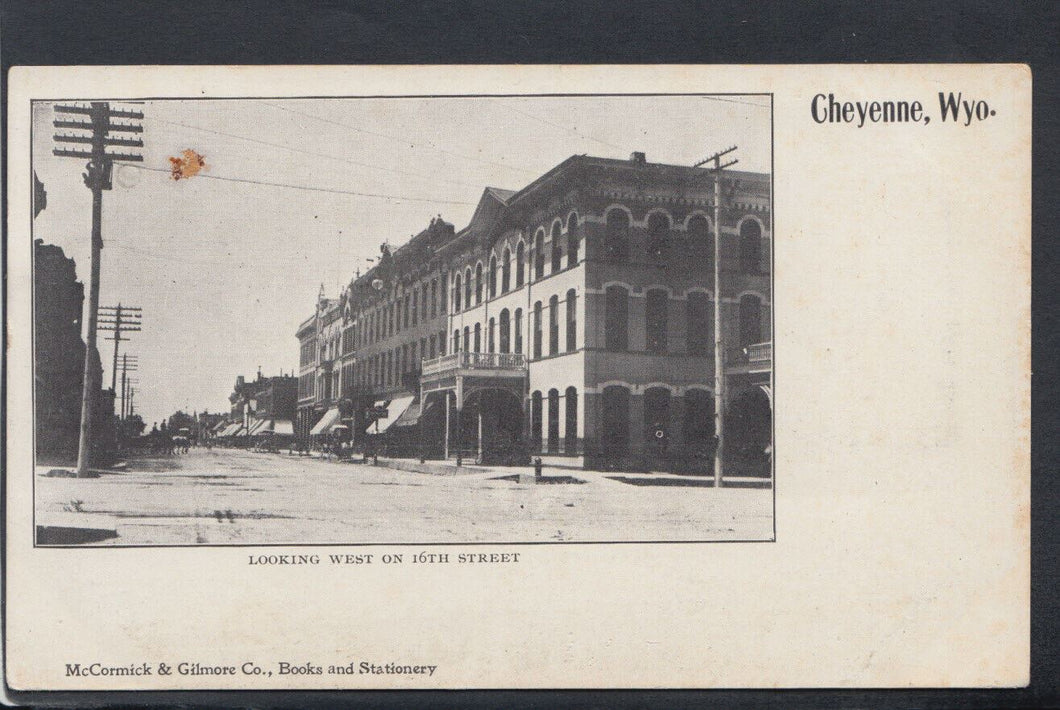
x: 326, y: 422
x: 395, y: 409
x: 410, y: 417
x: 283, y: 426
x: 256, y: 426
x: 231, y: 429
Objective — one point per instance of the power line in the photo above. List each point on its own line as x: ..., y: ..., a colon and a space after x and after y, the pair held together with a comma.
x: 313, y: 153
x: 396, y: 138
x: 400, y: 198
x: 735, y: 101
x: 562, y: 128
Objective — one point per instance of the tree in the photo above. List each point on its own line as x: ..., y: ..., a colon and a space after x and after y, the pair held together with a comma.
x: 133, y: 426
x: 179, y: 420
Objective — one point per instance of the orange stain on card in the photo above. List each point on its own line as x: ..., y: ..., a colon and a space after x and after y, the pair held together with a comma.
x: 188, y: 165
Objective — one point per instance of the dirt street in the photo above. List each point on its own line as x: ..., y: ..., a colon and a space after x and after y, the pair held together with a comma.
x: 229, y: 496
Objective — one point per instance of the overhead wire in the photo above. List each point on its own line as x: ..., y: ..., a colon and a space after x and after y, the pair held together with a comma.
x: 395, y: 138
x: 326, y: 156
x: 310, y: 188
x: 562, y: 128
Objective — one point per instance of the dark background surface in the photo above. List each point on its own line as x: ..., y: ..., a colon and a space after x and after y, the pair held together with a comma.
x: 59, y: 32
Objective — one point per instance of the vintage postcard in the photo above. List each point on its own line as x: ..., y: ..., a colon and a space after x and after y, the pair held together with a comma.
x: 525, y: 377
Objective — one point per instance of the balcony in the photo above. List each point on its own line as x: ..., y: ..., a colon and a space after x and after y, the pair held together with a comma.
x: 475, y: 363
x: 756, y: 358
x: 760, y: 352
x: 444, y: 371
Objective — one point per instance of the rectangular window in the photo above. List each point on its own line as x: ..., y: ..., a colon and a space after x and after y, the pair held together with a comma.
x: 657, y: 318
x: 553, y: 325
x: 616, y: 319
x: 699, y: 324
x: 537, y: 330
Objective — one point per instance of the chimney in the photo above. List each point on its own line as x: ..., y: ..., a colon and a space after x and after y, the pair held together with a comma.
x: 638, y: 158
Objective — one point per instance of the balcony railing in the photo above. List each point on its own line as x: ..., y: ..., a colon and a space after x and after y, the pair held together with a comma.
x: 760, y: 352
x: 474, y: 361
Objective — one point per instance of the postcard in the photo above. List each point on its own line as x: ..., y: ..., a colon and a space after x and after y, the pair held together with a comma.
x: 517, y: 377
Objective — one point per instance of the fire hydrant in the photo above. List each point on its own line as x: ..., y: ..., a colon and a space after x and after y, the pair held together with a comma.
x: 537, y: 467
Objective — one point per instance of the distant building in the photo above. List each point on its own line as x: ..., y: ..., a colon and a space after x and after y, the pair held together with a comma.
x: 266, y: 404
x: 59, y: 361
x: 572, y: 319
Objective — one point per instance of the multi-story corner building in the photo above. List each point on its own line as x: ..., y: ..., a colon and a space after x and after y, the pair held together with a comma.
x: 573, y: 319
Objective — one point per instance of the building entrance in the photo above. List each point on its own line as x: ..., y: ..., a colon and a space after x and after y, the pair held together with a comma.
x: 750, y: 433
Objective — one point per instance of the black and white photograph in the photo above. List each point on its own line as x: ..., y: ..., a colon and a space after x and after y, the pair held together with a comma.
x: 403, y: 320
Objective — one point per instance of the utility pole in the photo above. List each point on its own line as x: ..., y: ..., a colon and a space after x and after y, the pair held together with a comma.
x: 719, y: 338
x: 118, y: 319
x: 100, y: 168
x: 129, y: 363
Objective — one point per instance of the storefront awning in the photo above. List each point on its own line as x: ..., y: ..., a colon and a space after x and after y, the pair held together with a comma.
x: 256, y: 426
x: 231, y: 429
x: 326, y: 422
x: 410, y: 417
x: 395, y: 409
x: 283, y: 426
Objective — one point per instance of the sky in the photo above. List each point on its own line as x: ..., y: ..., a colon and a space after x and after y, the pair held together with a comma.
x: 301, y: 192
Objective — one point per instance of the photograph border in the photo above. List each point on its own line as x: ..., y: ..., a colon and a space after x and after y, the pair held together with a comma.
x: 772, y: 316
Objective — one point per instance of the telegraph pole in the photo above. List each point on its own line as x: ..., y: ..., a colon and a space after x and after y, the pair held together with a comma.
x: 719, y: 338
x: 118, y: 319
x: 129, y: 363
x: 98, y: 123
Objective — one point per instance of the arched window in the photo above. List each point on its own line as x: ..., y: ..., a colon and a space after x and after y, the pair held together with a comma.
x: 520, y: 265
x: 415, y: 306
x: 750, y: 246
x: 616, y: 236
x: 506, y: 331
x: 539, y: 254
x: 493, y: 276
x: 478, y: 337
x: 535, y: 421
x: 699, y: 240
x: 434, y: 298
x: 490, y: 340
x: 658, y: 237
x: 441, y: 343
x: 570, y: 425
x: 434, y: 347
x: 657, y: 319
x: 518, y: 330
x: 456, y: 294
x: 557, y: 248
x: 699, y: 424
x: 478, y: 283
x: 553, y: 325
x: 572, y: 321
x: 443, y: 302
x: 750, y: 320
x: 572, y: 240
x: 700, y: 324
x: 506, y: 271
x: 537, y: 330
x: 615, y: 430
x: 456, y: 340
x: 657, y: 418
x: 616, y: 318
x: 553, y: 421
x: 467, y: 287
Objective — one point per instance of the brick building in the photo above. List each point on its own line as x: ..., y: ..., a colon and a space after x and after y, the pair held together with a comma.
x: 571, y: 319
x: 263, y: 405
